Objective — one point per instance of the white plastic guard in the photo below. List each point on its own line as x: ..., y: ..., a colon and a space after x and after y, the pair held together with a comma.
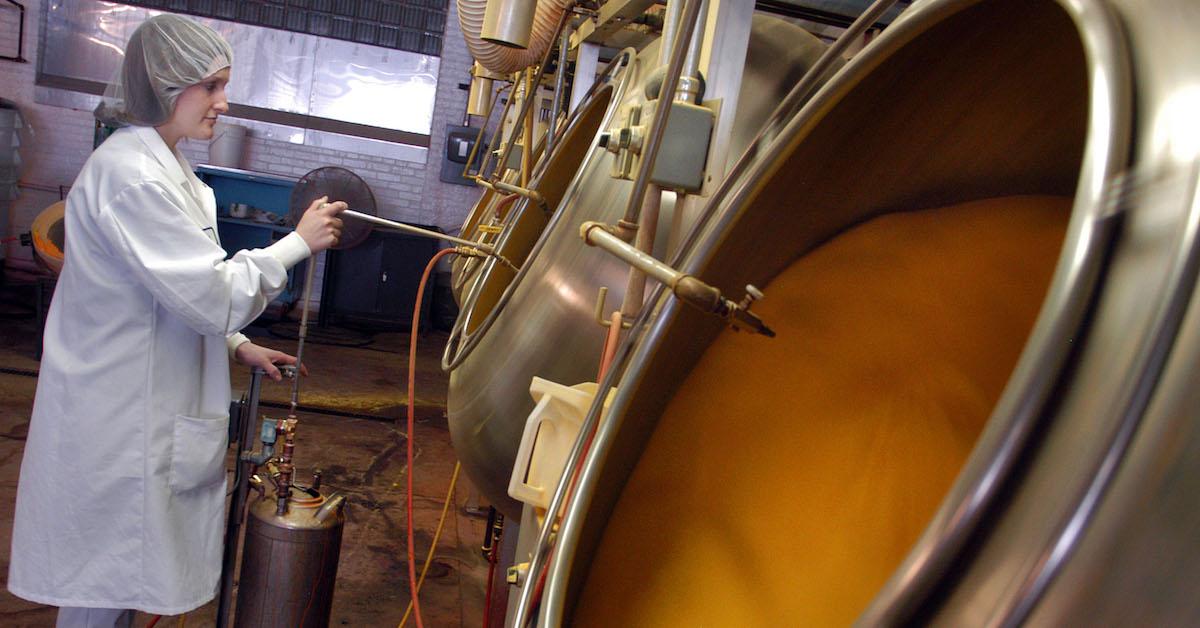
x: 550, y: 432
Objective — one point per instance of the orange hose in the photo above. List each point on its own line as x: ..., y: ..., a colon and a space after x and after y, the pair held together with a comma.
x: 610, y: 344
x: 611, y: 340
x: 492, y: 559
x: 412, y: 386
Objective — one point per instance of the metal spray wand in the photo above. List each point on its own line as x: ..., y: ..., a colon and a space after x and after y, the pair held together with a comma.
x: 304, y: 305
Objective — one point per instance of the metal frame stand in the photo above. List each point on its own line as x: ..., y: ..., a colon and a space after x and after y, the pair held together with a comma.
x: 241, y: 421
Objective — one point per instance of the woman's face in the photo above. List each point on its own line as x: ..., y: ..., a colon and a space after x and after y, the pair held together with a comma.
x: 197, y: 109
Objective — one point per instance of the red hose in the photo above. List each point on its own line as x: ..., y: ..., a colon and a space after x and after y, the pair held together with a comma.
x: 412, y: 386
x: 611, y: 341
x: 505, y: 202
x: 610, y: 344
x: 487, y: 600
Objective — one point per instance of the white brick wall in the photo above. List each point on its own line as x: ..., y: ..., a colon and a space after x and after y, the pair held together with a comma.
x: 403, y: 190
x: 447, y: 204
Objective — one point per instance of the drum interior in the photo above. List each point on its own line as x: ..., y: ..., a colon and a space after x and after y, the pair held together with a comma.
x: 526, y: 226
x: 906, y: 240
x: 478, y: 211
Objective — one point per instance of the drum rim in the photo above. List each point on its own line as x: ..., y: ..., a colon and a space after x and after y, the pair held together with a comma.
x: 1074, y: 279
x: 461, y: 343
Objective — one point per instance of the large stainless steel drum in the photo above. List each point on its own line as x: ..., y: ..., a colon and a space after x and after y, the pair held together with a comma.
x: 978, y: 248
x: 522, y: 220
x: 543, y: 323
x: 511, y: 223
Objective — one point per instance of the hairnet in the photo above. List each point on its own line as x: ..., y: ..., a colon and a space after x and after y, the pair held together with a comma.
x: 164, y: 56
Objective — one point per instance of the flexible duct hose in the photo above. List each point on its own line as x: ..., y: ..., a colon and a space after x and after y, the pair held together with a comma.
x: 499, y: 58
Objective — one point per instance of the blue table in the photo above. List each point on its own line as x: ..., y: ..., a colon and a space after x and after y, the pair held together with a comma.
x: 268, y: 192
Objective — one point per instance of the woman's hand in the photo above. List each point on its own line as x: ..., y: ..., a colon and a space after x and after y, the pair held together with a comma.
x: 265, y: 358
x: 319, y: 226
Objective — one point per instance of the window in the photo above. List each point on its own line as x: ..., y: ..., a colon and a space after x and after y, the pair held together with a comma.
x: 299, y: 87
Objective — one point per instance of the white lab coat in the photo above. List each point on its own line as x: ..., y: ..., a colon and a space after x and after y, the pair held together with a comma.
x: 122, y: 489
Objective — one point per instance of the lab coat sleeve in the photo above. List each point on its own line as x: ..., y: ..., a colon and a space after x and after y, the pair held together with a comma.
x: 185, y: 270
x: 234, y: 341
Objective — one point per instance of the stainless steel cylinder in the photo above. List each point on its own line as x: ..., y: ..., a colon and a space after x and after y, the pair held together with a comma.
x: 479, y: 98
x: 290, y: 562
x: 508, y: 22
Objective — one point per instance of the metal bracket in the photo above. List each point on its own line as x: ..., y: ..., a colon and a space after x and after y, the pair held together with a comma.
x: 599, y: 313
x: 528, y: 193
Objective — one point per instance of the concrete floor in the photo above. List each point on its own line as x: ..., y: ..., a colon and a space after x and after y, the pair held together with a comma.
x: 353, y: 432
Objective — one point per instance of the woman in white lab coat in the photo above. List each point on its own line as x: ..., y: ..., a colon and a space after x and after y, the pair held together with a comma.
x: 122, y: 487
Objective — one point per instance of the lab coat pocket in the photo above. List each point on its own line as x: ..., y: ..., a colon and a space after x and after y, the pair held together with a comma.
x: 198, y: 452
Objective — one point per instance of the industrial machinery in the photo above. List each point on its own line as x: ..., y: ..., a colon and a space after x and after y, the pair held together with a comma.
x: 542, y: 318
x: 978, y: 249
x: 293, y: 533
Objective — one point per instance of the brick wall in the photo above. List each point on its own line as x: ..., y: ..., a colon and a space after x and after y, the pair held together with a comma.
x: 448, y: 202
x: 404, y: 190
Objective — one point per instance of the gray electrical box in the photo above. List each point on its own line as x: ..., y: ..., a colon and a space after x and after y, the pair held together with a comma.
x: 684, y: 149
x: 460, y: 140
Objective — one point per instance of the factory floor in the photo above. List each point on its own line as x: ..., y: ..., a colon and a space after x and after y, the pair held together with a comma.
x: 353, y: 430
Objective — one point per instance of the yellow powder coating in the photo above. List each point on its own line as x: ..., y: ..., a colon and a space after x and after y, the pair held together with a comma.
x: 790, y: 476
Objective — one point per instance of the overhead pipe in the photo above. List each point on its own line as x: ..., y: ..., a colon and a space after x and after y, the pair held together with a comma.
x: 487, y: 117
x: 504, y: 59
x: 688, y: 21
x: 479, y: 98
x: 560, y: 73
x: 529, y: 98
x: 508, y: 22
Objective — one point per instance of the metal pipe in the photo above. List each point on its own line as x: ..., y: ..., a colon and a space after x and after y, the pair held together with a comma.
x: 628, y: 225
x: 391, y: 224
x: 512, y: 139
x: 283, y: 488
x: 560, y: 76
x: 479, y: 102
x: 309, y: 271
x: 597, y: 235
x: 487, y: 157
x: 531, y: 89
x: 470, y: 247
x: 530, y: 194
x: 670, y: 24
x: 635, y: 287
x: 487, y: 117
x: 240, y: 488
x: 508, y: 22
x: 690, y: 89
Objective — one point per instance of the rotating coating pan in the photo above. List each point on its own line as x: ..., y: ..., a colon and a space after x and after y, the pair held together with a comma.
x: 511, y: 223
x: 546, y: 328
x: 523, y: 221
x: 980, y: 408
